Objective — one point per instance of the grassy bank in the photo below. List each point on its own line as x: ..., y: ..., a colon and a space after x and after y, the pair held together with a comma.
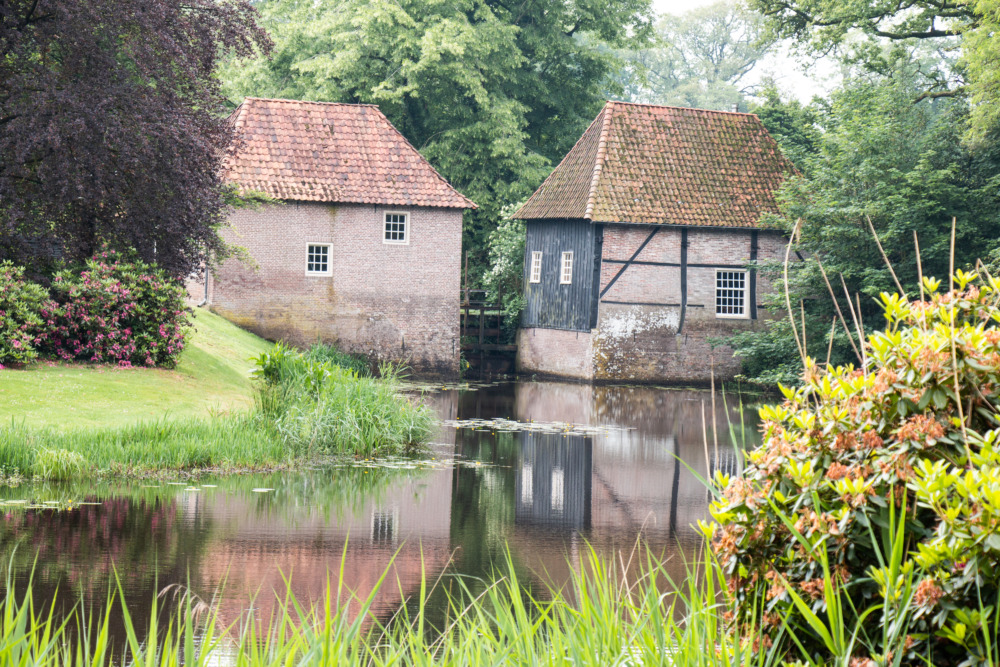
x: 206, y: 414
x: 211, y: 377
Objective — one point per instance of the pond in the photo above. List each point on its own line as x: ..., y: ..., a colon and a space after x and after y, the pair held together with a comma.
x: 583, y: 465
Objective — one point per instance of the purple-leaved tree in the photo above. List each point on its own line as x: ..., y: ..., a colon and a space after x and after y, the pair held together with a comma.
x: 112, y: 126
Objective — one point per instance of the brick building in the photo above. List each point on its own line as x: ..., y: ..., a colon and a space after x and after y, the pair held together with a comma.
x: 363, y: 249
x: 638, y: 246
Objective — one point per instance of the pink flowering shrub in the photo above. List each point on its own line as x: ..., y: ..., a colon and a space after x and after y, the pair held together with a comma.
x: 116, y: 310
x: 21, y: 303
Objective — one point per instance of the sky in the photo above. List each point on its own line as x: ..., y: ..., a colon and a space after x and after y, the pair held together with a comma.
x: 801, y: 80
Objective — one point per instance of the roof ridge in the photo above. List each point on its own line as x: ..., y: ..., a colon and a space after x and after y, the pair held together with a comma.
x: 602, y: 149
x: 292, y: 101
x: 472, y: 204
x: 674, y: 106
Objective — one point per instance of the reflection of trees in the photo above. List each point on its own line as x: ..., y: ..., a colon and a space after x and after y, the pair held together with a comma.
x: 80, y: 548
x: 482, y: 508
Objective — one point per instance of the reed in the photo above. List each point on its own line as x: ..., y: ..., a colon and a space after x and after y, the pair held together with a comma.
x: 609, y: 613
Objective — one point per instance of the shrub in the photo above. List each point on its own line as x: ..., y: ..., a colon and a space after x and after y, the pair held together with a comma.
x: 21, y: 303
x: 117, y: 310
x: 915, y: 431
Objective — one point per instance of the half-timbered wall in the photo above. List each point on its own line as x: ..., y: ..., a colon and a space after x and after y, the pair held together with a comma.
x: 655, y: 301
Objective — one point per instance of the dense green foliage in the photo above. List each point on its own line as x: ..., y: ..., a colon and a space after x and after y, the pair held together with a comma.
x: 21, y: 304
x: 874, y: 33
x: 492, y: 93
x: 322, y: 353
x: 900, y: 456
x: 504, y: 281
x: 981, y: 56
x: 700, y: 59
x: 792, y: 124
x: 877, y: 156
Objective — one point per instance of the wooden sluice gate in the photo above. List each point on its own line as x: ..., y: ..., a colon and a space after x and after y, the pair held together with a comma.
x: 484, y: 346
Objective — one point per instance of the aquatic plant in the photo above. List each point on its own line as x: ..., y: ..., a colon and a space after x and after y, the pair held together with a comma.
x: 619, y: 609
x: 808, y: 530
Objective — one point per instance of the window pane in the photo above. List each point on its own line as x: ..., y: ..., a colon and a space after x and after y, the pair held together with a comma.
x: 536, y: 267
x: 318, y: 259
x: 730, y: 292
x: 566, y: 272
x: 395, y: 227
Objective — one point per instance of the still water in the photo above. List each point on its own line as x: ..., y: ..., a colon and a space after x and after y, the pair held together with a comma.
x: 541, y: 493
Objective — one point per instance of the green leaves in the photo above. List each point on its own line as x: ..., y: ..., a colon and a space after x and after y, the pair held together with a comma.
x: 845, y: 455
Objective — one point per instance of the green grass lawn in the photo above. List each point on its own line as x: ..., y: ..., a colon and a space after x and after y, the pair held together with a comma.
x: 212, y: 376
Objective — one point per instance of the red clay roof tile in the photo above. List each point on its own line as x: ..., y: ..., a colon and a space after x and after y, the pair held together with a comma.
x: 641, y: 163
x: 321, y: 151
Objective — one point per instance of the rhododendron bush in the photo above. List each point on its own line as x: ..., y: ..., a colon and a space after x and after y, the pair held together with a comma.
x: 21, y: 302
x: 113, y: 310
x: 914, y: 434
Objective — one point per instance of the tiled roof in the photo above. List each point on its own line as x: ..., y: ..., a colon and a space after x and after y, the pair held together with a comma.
x: 641, y: 163
x: 319, y: 151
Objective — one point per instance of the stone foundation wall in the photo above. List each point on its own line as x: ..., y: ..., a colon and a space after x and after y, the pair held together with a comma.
x: 555, y: 353
x: 388, y: 301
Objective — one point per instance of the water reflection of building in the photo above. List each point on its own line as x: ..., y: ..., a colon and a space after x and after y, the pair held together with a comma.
x: 639, y: 472
x: 640, y: 475
x: 552, y: 485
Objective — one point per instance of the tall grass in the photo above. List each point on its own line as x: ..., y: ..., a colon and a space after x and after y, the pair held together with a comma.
x: 605, y: 615
x: 306, y: 406
x: 315, y: 404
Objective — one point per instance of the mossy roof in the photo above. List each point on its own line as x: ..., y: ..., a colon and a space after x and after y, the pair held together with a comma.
x: 643, y: 163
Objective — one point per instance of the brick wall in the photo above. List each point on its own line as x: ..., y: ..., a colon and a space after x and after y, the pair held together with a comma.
x: 388, y: 301
x: 639, y: 334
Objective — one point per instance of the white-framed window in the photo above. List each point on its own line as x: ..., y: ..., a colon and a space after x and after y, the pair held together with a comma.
x: 318, y: 259
x: 730, y: 293
x: 566, y: 268
x: 395, y: 230
x: 536, y: 267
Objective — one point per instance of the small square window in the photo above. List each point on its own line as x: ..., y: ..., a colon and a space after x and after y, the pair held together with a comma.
x: 318, y: 259
x: 566, y: 268
x: 536, y: 267
x: 730, y: 293
x: 395, y: 228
